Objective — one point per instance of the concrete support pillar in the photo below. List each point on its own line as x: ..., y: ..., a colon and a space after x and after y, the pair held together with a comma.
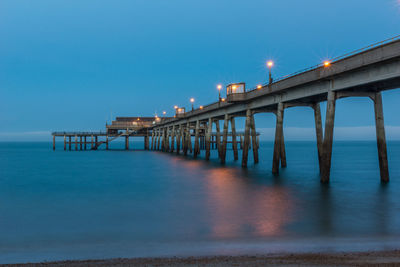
x: 208, y: 138
x: 85, y: 139
x: 185, y: 140
x: 91, y: 143
x: 234, y: 140
x: 241, y: 141
x: 318, y: 132
x: 159, y: 140
x: 127, y: 142
x: 76, y: 142
x: 381, y: 138
x: 218, y: 138
x: 246, y: 141
x: 254, y: 139
x: 96, y: 140
x: 178, y: 139
x: 152, y: 140
x: 164, y: 143
x: 172, y: 139
x: 189, y: 140
x: 65, y: 142
x: 283, y: 151
x: 278, y: 139
x: 224, y: 139
x: 54, y: 142
x: 196, y: 140
x: 69, y: 139
x: 328, y: 137
x: 80, y: 142
x: 162, y: 133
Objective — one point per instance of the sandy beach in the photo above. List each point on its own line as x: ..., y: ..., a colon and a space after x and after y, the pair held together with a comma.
x: 372, y: 258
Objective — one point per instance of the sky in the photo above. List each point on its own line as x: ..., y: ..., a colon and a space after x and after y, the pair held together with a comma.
x: 75, y: 65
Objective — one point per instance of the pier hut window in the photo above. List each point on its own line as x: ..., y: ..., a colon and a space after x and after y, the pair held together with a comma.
x: 180, y: 111
x: 236, y: 88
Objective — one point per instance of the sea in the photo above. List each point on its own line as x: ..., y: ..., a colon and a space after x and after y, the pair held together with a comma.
x: 68, y: 205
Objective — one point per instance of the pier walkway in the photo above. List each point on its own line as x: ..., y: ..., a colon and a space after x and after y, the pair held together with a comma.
x: 363, y: 73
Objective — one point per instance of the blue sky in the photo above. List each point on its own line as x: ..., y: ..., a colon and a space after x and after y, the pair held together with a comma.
x: 71, y: 65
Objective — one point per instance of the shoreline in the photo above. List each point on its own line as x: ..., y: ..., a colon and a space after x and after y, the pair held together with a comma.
x: 369, y: 258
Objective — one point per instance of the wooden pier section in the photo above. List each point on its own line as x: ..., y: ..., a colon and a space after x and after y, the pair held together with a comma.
x: 363, y: 73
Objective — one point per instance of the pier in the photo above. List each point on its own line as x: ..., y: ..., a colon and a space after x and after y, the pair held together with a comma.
x: 363, y: 73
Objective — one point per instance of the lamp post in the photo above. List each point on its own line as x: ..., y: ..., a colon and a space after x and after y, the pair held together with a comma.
x: 219, y: 87
x: 270, y: 64
x: 192, y: 101
x: 164, y: 112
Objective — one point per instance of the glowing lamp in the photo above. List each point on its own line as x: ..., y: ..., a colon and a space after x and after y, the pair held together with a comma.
x: 192, y: 100
x: 259, y: 86
x: 327, y: 63
x: 270, y: 63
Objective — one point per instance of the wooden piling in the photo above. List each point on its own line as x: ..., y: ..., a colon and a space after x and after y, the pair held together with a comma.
x: 65, y: 142
x: 80, y: 142
x: 76, y: 142
x: 278, y: 138
x: 54, y: 142
x: 328, y: 137
x: 106, y: 142
x: 196, y: 140
x: 318, y: 132
x: 246, y: 141
x: 224, y: 139
x: 91, y: 143
x: 234, y: 139
x: 69, y: 139
x: 254, y: 139
x: 381, y: 138
x: 208, y: 138
x: 85, y: 139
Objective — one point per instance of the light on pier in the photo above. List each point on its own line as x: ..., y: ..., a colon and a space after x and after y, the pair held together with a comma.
x: 219, y: 87
x: 259, y: 86
x: 270, y: 64
x: 192, y: 101
x: 327, y: 63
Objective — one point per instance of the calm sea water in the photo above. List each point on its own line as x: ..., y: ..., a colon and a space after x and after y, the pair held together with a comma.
x: 101, y: 204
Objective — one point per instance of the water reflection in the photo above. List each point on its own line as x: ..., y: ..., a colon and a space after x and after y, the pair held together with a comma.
x: 241, y: 208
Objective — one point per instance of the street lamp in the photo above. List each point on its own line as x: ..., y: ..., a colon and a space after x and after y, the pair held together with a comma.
x: 219, y: 87
x: 327, y: 63
x: 270, y: 64
x: 175, y: 107
x: 164, y: 112
x: 192, y: 101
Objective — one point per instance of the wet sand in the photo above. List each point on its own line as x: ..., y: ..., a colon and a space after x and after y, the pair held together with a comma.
x: 377, y: 258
